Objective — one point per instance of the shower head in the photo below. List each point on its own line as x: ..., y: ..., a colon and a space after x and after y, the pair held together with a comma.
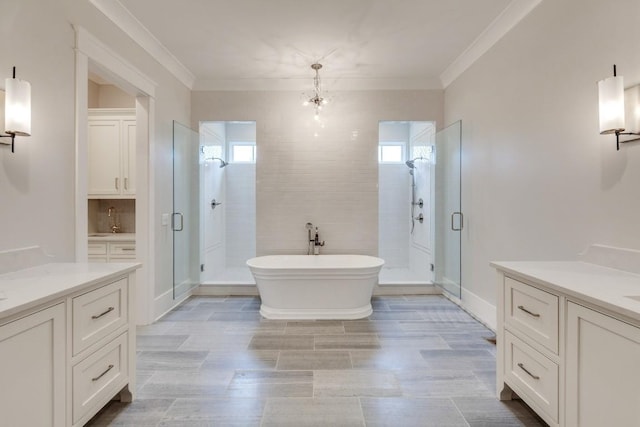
x: 222, y: 162
x: 411, y: 163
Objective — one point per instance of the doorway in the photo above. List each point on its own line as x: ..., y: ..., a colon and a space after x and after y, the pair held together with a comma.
x: 405, y: 202
x: 93, y: 56
x: 228, y: 180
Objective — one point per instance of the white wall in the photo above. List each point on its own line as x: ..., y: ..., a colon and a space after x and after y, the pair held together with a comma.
x: 422, y: 135
x: 394, y: 211
x: 213, y: 220
x: 240, y: 209
x: 539, y: 182
x: 240, y: 212
x: 38, y: 38
x: 394, y: 200
x: 109, y: 96
x: 329, y: 180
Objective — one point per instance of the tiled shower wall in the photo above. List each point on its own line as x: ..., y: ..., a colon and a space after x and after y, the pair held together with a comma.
x: 394, y: 212
x: 124, y: 215
x: 307, y: 173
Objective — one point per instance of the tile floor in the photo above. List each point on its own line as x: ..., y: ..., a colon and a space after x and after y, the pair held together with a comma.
x: 416, y: 361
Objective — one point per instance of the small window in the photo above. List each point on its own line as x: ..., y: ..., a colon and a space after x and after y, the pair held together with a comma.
x: 242, y: 152
x: 390, y: 153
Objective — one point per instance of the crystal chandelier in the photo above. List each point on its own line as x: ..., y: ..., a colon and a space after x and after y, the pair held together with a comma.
x: 316, y: 99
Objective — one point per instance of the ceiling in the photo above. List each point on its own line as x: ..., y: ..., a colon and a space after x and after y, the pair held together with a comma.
x: 250, y: 44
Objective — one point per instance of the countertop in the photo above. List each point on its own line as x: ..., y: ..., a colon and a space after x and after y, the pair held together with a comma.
x: 111, y: 237
x: 606, y: 287
x: 24, y: 289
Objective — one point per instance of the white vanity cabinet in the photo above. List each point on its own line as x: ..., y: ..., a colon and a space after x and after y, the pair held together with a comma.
x: 32, y: 355
x: 603, y: 370
x: 529, y: 357
x: 568, y: 342
x: 67, y: 342
x: 112, y: 248
x: 111, y: 150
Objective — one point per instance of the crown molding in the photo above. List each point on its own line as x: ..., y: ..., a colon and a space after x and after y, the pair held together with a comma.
x: 113, y: 63
x: 119, y: 15
x: 510, y: 16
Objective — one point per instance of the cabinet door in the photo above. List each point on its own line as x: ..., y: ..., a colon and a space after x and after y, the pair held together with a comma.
x: 104, y: 157
x: 603, y: 370
x: 129, y: 157
x: 32, y: 369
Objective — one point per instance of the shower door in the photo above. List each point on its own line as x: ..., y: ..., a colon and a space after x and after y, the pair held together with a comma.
x: 185, y: 220
x: 449, y: 220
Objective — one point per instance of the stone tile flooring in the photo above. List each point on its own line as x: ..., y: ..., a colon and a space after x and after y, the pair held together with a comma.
x: 416, y: 361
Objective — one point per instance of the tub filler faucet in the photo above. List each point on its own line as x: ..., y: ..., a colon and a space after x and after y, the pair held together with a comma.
x: 314, y: 240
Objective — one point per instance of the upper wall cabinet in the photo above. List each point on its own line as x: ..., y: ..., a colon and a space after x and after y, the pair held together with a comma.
x: 111, y: 149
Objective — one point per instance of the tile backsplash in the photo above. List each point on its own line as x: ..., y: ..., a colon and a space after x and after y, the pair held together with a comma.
x: 124, y: 215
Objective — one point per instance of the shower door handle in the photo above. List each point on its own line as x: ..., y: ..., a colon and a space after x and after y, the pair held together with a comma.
x: 453, y: 227
x: 173, y: 221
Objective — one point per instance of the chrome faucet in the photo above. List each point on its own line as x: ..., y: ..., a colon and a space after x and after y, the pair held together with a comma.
x: 317, y: 244
x: 111, y: 213
x: 310, y: 240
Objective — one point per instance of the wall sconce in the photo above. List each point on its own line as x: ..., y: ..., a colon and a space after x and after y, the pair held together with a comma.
x: 616, y: 104
x: 17, y: 109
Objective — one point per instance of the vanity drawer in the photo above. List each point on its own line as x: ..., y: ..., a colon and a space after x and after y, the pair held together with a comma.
x: 121, y: 249
x: 99, y: 377
x: 97, y: 248
x: 532, y: 376
x: 98, y: 313
x: 532, y: 312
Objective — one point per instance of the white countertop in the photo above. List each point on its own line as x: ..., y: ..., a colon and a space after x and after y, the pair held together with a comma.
x: 111, y: 237
x: 24, y: 289
x: 602, y: 286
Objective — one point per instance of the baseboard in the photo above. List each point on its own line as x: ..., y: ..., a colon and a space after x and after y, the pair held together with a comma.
x: 479, y: 309
x: 223, y: 290
x: 381, y: 290
x: 164, y: 303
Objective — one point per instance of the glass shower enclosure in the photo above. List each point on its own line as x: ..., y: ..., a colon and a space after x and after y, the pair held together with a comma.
x: 185, y: 219
x: 448, y: 213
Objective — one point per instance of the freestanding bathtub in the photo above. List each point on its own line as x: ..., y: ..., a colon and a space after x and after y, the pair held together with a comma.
x: 315, y: 286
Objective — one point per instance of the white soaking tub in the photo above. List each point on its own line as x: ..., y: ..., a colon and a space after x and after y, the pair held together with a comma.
x: 315, y: 286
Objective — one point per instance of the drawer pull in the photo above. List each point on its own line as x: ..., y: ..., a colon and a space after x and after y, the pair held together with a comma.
x: 128, y: 249
x: 102, y: 374
x: 521, y: 366
x: 108, y: 310
x: 528, y: 312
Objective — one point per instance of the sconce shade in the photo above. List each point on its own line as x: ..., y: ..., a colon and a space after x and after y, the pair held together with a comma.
x: 611, y: 100
x: 632, y: 109
x: 17, y: 107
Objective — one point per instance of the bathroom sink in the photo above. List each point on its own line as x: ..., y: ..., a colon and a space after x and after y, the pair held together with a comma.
x: 633, y: 297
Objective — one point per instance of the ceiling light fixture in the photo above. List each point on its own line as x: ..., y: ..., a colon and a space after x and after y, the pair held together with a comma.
x: 619, y: 108
x: 316, y: 98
